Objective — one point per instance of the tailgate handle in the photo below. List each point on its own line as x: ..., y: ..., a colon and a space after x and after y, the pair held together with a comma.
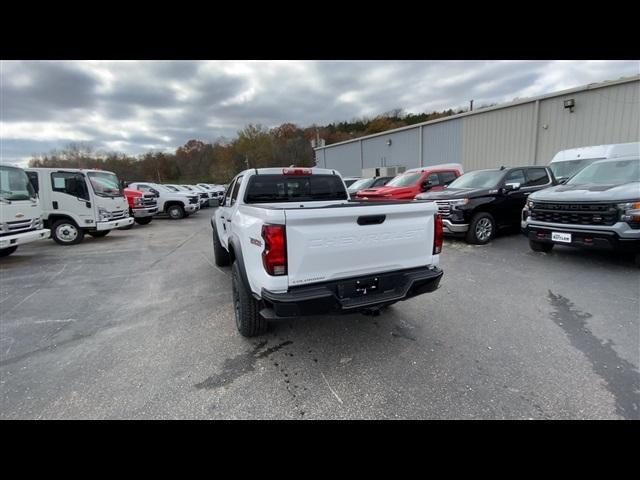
x: 371, y: 219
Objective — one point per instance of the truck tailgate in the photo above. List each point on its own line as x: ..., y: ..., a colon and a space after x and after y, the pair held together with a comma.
x: 358, y: 239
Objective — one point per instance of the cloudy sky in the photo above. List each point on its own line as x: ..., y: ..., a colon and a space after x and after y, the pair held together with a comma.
x: 136, y: 106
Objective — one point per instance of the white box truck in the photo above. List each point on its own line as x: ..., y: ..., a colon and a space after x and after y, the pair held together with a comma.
x: 78, y: 201
x: 20, y: 212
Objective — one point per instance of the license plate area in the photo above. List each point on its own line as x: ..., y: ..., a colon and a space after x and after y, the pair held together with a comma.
x: 359, y: 288
x: 561, y: 237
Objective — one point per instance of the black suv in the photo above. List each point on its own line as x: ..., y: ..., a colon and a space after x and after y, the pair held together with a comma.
x: 477, y: 203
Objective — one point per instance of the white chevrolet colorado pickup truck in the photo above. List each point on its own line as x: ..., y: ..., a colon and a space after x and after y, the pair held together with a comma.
x: 299, y: 246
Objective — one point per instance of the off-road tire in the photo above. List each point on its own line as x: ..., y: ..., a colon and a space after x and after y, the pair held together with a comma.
x: 5, y: 252
x: 220, y: 255
x: 58, y: 228
x: 482, y: 229
x: 246, y: 309
x: 143, y: 220
x: 540, y: 246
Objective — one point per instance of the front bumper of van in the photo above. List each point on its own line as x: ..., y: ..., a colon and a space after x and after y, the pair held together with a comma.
x: 123, y: 222
x: 24, y: 237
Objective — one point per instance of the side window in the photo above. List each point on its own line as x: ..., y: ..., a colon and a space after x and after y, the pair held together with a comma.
x: 33, y: 178
x: 236, y: 188
x: 536, y: 176
x: 433, y: 179
x: 70, y: 183
x: 380, y: 181
x: 447, y: 177
x: 227, y: 194
x: 515, y: 176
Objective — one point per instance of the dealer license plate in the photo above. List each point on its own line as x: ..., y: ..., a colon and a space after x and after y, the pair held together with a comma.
x: 561, y: 237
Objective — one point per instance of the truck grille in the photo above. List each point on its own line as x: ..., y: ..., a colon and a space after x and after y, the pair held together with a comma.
x: 444, y: 208
x: 150, y: 201
x: 117, y: 214
x: 193, y: 199
x: 204, y: 195
x: 19, y: 226
x: 575, y: 213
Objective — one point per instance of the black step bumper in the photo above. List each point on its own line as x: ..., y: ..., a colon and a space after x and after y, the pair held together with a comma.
x: 342, y: 296
x: 593, y: 239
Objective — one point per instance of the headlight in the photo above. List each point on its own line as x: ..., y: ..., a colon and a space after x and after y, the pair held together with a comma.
x: 530, y: 204
x: 138, y: 201
x: 4, y: 227
x: 103, y: 214
x: 629, y: 212
x: 458, y: 202
x: 126, y: 212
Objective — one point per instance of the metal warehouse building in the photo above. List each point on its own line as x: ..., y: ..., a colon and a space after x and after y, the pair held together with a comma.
x: 523, y: 132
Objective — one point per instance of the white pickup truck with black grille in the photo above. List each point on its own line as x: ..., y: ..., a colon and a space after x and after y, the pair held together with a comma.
x: 298, y: 246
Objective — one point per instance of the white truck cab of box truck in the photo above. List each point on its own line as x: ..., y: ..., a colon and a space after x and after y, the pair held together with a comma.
x: 78, y: 201
x: 566, y: 163
x: 20, y: 212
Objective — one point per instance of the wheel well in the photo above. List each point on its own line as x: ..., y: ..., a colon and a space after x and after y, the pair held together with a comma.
x: 232, y: 254
x: 54, y: 218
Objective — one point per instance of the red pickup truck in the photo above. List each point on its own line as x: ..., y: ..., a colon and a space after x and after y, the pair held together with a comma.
x: 413, y: 182
x: 142, y: 205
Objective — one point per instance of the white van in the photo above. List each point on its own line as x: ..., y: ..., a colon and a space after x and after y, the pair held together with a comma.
x: 566, y: 163
x: 78, y: 201
x: 20, y: 213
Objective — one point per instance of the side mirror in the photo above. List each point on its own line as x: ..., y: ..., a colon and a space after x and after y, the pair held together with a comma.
x: 563, y: 180
x: 426, y: 185
x: 510, y: 187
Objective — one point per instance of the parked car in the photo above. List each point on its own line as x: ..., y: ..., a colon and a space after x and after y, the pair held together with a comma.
x: 598, y: 208
x: 567, y: 163
x: 363, y: 183
x: 78, y: 201
x: 176, y: 204
x: 478, y: 203
x: 218, y: 190
x: 348, y: 181
x: 413, y: 182
x: 189, y: 191
x: 203, y: 195
x: 294, y: 255
x: 142, y: 206
x: 21, y: 218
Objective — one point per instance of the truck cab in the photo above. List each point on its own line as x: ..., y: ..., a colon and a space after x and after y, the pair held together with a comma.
x: 78, y: 201
x: 21, y: 219
x: 566, y: 163
x: 174, y: 203
x: 413, y: 182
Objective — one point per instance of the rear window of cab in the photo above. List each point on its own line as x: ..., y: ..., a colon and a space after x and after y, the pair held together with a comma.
x: 294, y: 188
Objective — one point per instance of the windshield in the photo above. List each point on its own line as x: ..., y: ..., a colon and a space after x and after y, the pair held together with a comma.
x: 478, y: 179
x: 609, y: 173
x: 14, y: 184
x: 405, y: 180
x: 171, y: 188
x: 360, y: 184
x: 569, y: 168
x: 105, y: 184
x: 186, y: 187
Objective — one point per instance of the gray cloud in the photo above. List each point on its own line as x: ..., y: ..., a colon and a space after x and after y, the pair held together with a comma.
x: 129, y: 106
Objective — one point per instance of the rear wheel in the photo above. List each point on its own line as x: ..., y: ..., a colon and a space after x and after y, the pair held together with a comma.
x: 143, y: 220
x: 220, y: 255
x: 100, y: 234
x: 249, y: 322
x: 540, y: 246
x: 66, y: 232
x: 5, y: 252
x: 481, y: 229
x: 175, y: 212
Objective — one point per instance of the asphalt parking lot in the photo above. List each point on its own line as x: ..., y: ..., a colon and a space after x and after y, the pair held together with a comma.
x: 139, y: 324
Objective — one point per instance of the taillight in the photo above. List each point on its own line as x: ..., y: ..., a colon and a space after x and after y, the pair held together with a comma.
x: 296, y: 171
x: 437, y: 235
x: 274, y: 256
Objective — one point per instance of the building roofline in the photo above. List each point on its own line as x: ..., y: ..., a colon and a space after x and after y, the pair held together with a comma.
x: 560, y: 93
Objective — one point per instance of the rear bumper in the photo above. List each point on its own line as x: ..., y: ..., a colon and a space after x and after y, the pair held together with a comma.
x: 339, y: 297
x: 25, y: 237
x: 593, y: 239
x: 123, y: 222
x: 144, y: 212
